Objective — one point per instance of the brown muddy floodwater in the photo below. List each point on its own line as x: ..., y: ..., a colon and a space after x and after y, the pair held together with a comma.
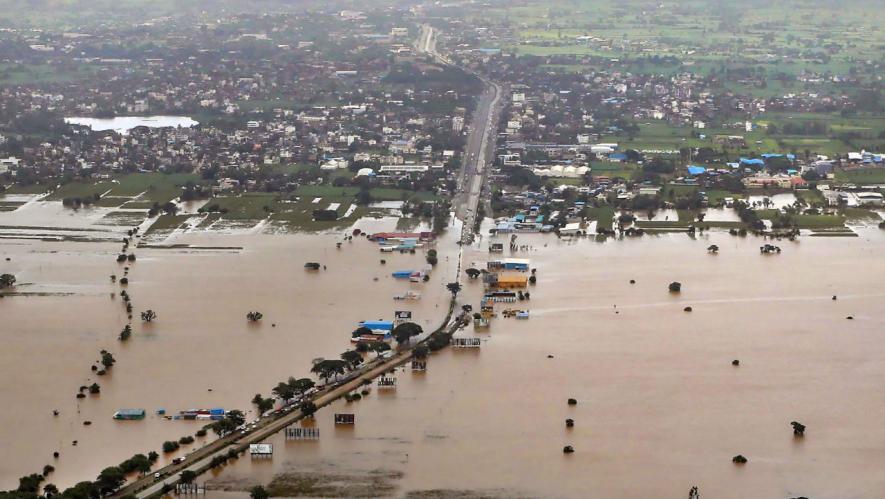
x: 660, y: 406
x: 200, y: 352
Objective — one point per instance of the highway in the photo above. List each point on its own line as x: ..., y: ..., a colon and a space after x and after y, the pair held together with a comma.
x: 480, y: 149
x: 471, y: 179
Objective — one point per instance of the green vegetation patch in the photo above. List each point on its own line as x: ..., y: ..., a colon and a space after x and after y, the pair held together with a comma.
x: 862, y: 176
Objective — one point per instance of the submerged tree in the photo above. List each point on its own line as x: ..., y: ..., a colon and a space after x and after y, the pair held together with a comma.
x: 7, y: 281
x: 352, y: 358
x: 148, y: 315
x: 327, y: 368
x: 258, y: 492
x: 404, y: 332
x: 254, y: 316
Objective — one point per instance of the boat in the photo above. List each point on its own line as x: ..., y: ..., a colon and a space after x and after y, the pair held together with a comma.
x: 408, y: 295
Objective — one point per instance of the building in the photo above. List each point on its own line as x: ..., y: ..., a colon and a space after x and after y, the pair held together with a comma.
x: 518, y: 264
x: 507, y: 280
x: 404, y: 168
x: 129, y: 414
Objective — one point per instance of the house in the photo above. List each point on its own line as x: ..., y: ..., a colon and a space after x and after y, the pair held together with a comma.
x: 509, y: 280
x: 517, y: 264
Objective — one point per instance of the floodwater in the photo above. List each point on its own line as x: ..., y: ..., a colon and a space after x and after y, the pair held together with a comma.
x: 123, y: 124
x: 660, y: 406
x: 200, y: 352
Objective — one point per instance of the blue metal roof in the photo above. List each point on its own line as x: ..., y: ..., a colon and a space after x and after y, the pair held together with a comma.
x: 377, y: 325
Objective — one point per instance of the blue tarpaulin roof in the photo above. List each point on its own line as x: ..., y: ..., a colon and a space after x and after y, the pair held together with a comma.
x: 696, y: 170
x: 377, y: 325
x: 748, y: 161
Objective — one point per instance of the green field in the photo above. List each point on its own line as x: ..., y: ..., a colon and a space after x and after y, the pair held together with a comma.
x: 862, y: 176
x: 21, y: 74
x: 149, y: 187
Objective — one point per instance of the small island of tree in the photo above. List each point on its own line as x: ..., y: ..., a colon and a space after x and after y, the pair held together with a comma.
x: 7, y: 281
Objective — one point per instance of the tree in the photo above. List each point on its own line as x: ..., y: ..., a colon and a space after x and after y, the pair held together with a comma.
x: 126, y: 332
x: 83, y: 490
x: 107, y: 359
x: 50, y: 490
x: 380, y: 347
x: 308, y: 408
x: 454, y: 288
x: 352, y: 358
x: 472, y: 273
x: 188, y: 476
x: 326, y: 368
x: 231, y: 421
x: 404, y: 332
x: 30, y: 484
x: 110, y: 479
x: 284, y: 391
x: 7, y: 281
x: 301, y: 385
x: 258, y: 492
x: 148, y: 315
x: 675, y: 287
x: 264, y: 405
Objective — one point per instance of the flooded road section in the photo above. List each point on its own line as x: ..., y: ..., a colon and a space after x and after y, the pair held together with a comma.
x: 660, y: 406
x: 200, y: 352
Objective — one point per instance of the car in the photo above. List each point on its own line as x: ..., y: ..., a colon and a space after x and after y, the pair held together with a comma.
x: 157, y: 475
x: 178, y: 460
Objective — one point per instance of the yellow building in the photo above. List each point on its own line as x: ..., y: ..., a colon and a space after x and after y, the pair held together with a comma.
x: 512, y: 280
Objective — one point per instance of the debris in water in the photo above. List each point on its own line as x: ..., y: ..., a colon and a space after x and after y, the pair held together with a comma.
x: 739, y: 459
x: 687, y: 309
x: 568, y: 449
x: 798, y: 428
x: 834, y: 297
x: 570, y: 422
x: 850, y: 317
x: 735, y: 362
x: 572, y: 402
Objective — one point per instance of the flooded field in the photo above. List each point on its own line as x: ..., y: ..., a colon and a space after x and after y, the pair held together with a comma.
x: 199, y: 352
x: 660, y: 406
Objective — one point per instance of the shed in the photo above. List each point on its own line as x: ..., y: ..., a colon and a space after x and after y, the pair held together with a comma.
x: 377, y: 325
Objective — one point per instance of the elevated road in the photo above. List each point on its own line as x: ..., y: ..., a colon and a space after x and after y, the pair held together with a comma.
x: 471, y: 179
x: 480, y: 150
